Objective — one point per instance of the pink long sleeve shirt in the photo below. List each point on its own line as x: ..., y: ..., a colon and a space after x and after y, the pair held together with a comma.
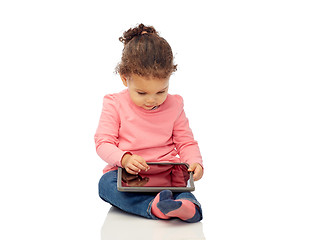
x: 158, y: 135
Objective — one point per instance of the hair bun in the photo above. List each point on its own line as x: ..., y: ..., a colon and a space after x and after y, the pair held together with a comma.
x: 137, y: 31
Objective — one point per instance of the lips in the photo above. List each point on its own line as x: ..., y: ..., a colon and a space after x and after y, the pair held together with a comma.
x: 152, y: 106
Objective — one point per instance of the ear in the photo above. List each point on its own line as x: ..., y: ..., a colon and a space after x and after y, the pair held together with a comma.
x: 124, y: 80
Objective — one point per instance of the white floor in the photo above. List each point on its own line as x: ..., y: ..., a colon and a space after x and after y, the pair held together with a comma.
x: 123, y: 226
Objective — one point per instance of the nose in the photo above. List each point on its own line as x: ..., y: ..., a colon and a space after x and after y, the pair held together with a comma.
x: 150, y: 100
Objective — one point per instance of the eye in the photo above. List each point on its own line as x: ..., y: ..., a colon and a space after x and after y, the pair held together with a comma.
x: 141, y: 93
x: 161, y: 92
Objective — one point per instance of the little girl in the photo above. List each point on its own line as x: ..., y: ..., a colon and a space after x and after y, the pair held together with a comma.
x: 146, y: 124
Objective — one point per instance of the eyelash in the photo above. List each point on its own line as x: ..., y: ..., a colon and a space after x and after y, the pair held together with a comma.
x: 142, y: 93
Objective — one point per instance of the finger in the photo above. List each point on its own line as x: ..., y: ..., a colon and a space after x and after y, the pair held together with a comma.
x: 139, y: 166
x: 141, y: 163
x: 130, y: 171
x: 192, y: 167
x: 134, y: 168
x: 198, y: 174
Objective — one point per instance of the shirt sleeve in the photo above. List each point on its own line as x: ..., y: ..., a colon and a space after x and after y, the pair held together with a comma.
x: 186, y: 146
x: 106, y: 136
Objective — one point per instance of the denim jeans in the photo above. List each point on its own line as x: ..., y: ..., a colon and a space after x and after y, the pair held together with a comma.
x: 135, y: 203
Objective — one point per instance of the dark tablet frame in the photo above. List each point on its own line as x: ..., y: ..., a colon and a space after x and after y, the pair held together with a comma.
x: 189, y: 188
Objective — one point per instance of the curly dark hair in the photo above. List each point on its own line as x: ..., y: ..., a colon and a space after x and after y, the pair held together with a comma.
x: 145, y: 53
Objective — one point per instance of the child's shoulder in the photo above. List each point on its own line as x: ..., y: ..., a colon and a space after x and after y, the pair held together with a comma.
x: 175, y: 99
x: 114, y: 98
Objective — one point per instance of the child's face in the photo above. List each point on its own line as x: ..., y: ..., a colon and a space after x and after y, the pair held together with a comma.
x: 147, y: 93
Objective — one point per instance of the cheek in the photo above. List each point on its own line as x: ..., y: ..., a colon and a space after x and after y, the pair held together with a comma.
x: 137, y: 99
x: 163, y: 98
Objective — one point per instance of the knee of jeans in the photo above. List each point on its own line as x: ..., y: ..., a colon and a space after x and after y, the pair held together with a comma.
x: 107, y: 182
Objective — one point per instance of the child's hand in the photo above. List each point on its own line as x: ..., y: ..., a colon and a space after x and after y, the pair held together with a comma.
x: 197, y: 169
x: 133, y: 164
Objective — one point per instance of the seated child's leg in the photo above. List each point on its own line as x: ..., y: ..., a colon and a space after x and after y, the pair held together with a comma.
x: 185, y: 207
x: 189, y: 196
x: 162, y: 196
x: 135, y: 203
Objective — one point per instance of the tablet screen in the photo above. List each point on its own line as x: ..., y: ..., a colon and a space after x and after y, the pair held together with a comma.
x: 159, y: 175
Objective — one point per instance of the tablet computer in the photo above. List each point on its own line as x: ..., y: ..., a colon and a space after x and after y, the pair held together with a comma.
x: 160, y: 176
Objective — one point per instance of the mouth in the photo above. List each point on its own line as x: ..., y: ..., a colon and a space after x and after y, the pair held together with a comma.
x: 149, y: 106
x: 152, y: 107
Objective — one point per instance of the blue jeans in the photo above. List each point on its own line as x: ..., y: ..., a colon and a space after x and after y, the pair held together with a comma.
x: 135, y: 203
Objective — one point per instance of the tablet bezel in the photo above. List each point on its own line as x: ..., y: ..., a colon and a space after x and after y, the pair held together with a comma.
x: 155, y: 189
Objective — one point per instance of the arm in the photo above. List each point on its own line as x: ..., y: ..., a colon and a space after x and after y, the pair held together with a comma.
x: 106, y: 137
x: 186, y: 146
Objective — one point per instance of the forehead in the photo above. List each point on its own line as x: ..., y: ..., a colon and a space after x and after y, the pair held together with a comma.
x: 147, y: 84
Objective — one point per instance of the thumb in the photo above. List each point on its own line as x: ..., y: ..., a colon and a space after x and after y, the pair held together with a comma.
x: 192, y: 167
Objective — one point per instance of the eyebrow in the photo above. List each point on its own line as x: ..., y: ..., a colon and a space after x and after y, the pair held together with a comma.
x: 139, y: 90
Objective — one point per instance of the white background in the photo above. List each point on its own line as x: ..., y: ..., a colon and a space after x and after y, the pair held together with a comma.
x: 249, y: 71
